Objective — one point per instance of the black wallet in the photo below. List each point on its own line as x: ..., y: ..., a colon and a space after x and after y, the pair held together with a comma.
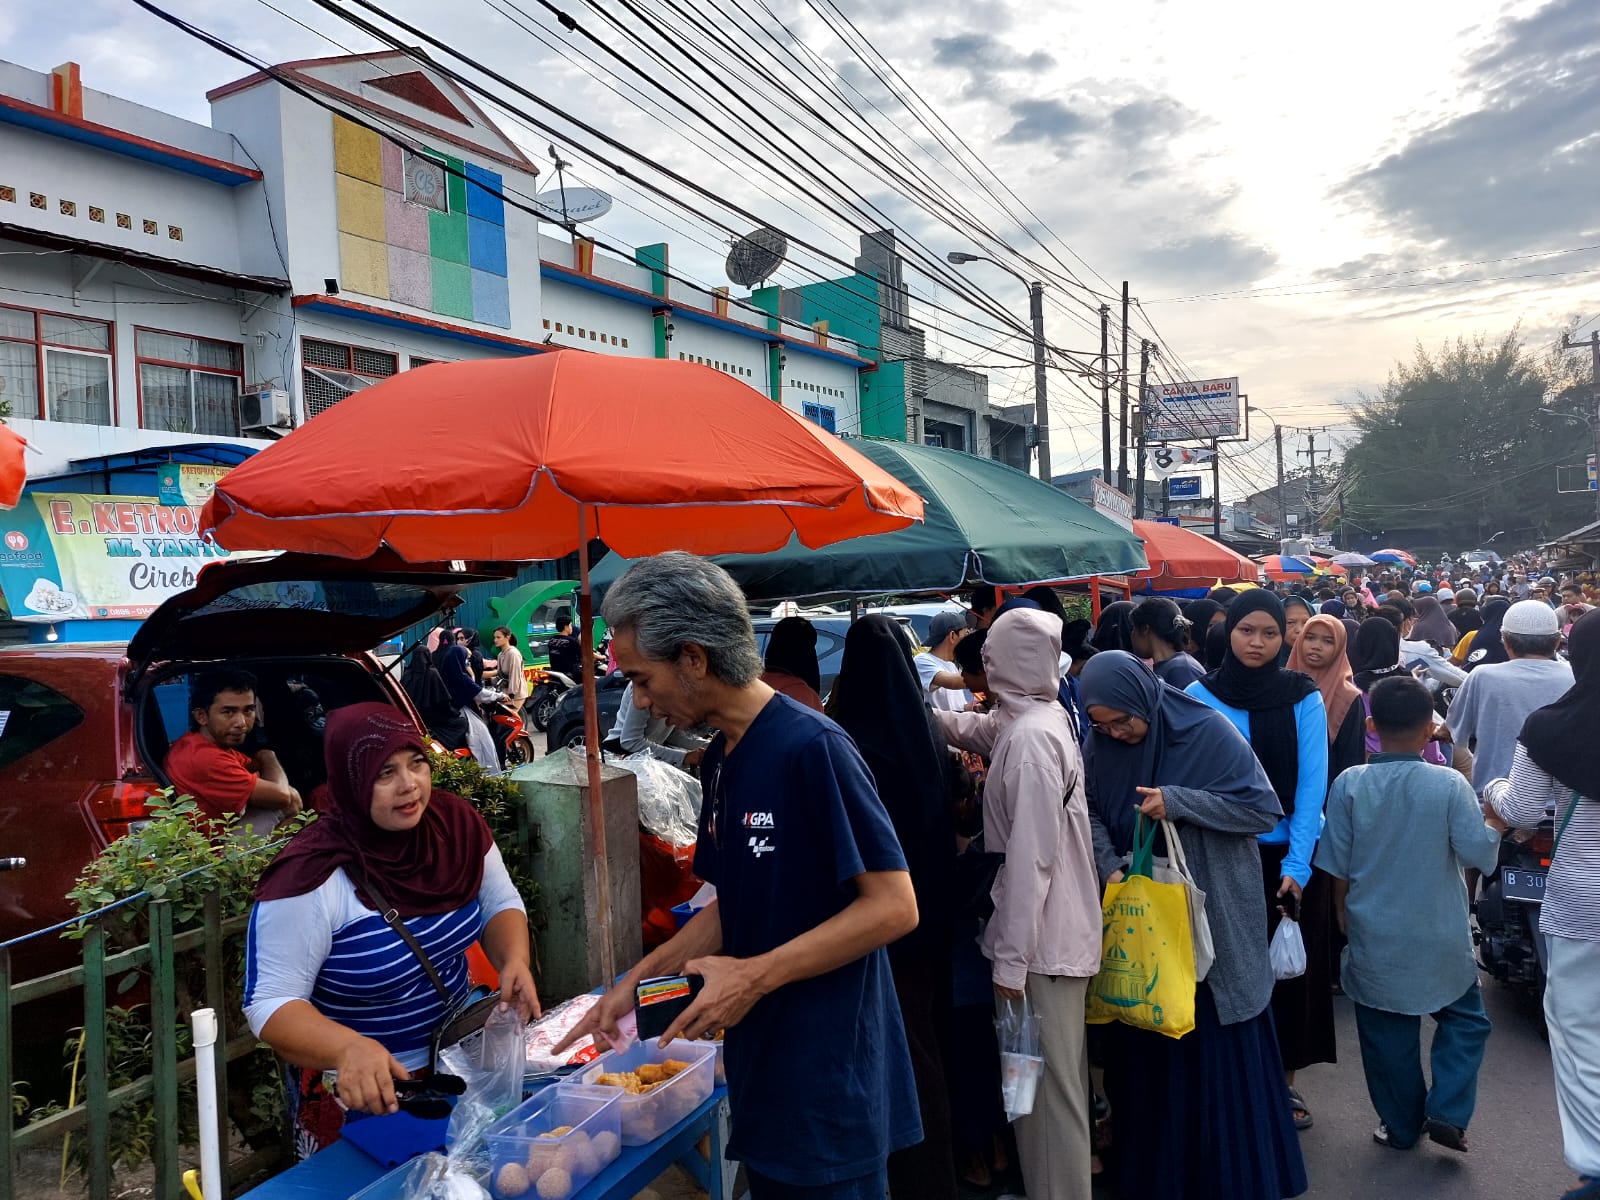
x: 660, y: 1001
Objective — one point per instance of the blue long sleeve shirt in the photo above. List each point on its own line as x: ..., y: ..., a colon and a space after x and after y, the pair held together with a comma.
x: 1301, y: 829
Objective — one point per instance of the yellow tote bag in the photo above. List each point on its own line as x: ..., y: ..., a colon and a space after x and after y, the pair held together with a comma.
x: 1147, y: 975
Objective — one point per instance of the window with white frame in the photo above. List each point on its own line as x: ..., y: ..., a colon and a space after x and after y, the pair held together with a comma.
x: 188, y: 384
x: 55, y: 367
x: 330, y: 371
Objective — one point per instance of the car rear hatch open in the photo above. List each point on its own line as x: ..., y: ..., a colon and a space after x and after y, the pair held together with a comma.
x: 299, y: 604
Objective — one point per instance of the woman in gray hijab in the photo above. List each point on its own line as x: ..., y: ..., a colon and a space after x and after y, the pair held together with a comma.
x: 1206, y: 1114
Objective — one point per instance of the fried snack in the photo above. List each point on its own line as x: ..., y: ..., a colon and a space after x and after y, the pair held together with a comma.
x: 559, y: 1131
x: 555, y: 1184
x: 626, y: 1080
x: 607, y: 1147
x: 511, y: 1181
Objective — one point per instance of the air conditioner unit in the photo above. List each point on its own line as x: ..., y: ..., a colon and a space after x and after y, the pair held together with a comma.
x: 264, y: 410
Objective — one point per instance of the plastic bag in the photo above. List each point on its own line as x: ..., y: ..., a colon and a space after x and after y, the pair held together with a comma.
x: 441, y: 1177
x: 669, y: 799
x: 1288, y: 951
x: 493, y: 1062
x: 1021, y: 1064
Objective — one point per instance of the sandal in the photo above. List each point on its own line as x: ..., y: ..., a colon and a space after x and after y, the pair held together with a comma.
x: 1297, y: 1105
x: 1451, y: 1137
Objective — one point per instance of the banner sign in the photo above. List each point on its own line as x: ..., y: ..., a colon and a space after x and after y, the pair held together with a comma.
x: 187, y: 483
x: 1161, y: 461
x: 1112, y: 503
x: 72, y: 557
x: 1191, y: 412
x: 1184, y: 487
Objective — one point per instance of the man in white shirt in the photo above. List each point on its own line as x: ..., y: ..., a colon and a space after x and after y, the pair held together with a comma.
x: 1496, y: 699
x: 936, y: 666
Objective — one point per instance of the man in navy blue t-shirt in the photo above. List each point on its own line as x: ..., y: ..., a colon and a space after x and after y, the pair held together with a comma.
x: 811, y: 885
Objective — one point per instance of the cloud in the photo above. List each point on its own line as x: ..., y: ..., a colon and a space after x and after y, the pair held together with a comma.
x: 1517, y: 171
x: 1210, y: 259
x: 984, y: 51
x: 1045, y: 121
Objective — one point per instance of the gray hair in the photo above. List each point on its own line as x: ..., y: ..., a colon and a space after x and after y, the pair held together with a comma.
x: 1532, y: 645
x: 675, y: 599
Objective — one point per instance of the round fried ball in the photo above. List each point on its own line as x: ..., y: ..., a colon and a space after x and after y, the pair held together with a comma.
x: 607, y: 1147
x: 555, y: 1184
x: 585, y: 1161
x: 511, y: 1181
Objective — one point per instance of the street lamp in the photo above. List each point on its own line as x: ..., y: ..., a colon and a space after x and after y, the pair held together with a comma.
x: 1283, y: 501
x: 1041, y: 404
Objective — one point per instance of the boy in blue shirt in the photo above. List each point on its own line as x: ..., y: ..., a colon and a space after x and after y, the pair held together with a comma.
x: 1399, y: 832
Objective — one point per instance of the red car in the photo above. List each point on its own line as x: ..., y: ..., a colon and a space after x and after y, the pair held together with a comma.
x: 86, y: 727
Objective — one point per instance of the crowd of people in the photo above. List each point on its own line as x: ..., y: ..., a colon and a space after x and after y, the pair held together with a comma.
x: 933, y: 838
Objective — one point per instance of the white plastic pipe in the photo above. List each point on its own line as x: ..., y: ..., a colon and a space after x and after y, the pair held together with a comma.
x: 204, y: 1022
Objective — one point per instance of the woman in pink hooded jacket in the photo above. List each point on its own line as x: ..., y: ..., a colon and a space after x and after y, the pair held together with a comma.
x: 1044, y: 936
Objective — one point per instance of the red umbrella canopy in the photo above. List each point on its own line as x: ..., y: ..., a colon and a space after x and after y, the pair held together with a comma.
x: 494, y: 459
x: 1182, y: 558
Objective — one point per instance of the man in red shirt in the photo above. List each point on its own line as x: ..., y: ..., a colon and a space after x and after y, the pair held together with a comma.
x: 209, y: 763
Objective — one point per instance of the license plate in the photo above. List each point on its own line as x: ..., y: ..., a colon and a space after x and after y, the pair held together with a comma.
x: 1523, y: 885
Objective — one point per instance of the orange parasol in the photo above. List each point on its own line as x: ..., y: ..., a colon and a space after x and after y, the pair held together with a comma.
x: 529, y: 458
x: 1183, y: 559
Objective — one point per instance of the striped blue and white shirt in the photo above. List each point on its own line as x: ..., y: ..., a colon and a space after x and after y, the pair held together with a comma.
x: 327, y: 948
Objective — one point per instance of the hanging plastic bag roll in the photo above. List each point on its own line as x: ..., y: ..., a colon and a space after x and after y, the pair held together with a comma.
x: 1288, y: 951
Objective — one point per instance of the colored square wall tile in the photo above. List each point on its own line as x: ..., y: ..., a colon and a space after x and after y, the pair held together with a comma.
x: 487, y: 245
x: 360, y: 207
x: 452, y: 289
x: 485, y: 200
x: 456, y: 182
x: 410, y: 278
x: 357, y: 152
x: 394, y: 179
x: 405, y: 224
x: 491, y: 299
x: 363, y: 266
x: 447, y: 237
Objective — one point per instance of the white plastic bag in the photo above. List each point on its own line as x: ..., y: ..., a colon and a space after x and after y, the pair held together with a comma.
x: 1288, y: 951
x: 1021, y: 1063
x: 669, y: 799
x: 492, y: 1062
x: 1174, y: 868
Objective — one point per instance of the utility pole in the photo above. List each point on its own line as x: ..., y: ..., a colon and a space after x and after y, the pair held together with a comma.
x: 1594, y: 351
x: 1216, y: 489
x: 1311, y: 452
x: 1122, y: 452
x: 1105, y: 392
x: 1144, y: 374
x: 1283, y: 500
x: 1041, y: 403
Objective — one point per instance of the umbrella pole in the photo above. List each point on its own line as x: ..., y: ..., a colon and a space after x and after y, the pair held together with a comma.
x: 591, y: 750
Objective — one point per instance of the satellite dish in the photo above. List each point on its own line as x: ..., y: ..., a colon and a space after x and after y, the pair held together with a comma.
x: 571, y: 206
x: 756, y: 256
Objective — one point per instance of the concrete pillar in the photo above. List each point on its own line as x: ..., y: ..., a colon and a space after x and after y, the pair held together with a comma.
x: 567, y: 952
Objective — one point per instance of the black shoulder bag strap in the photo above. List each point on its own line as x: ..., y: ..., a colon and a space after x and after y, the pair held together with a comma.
x: 391, y: 918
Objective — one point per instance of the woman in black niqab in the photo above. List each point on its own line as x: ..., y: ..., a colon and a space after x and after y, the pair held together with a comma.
x: 877, y: 699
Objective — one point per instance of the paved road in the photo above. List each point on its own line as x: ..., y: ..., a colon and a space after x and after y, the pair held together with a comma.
x: 1516, y: 1137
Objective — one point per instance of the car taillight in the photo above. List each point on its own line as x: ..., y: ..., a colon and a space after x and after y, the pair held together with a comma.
x: 116, y: 806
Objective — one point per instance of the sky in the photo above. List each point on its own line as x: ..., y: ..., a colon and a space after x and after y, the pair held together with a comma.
x: 1298, y: 196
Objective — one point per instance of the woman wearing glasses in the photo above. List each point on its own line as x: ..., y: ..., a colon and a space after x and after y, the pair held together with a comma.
x: 1207, y: 1114
x: 1282, y: 715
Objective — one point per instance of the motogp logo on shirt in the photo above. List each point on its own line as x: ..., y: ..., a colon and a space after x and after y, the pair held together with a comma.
x: 760, y: 846
x: 759, y: 820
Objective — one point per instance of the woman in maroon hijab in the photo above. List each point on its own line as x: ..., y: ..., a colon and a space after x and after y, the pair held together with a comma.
x: 328, y: 984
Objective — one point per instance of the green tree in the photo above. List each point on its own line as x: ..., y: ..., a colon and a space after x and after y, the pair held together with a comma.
x: 1465, y: 442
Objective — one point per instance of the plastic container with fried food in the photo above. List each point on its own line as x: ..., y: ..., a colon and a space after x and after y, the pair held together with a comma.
x: 648, y: 1115
x: 551, y: 1145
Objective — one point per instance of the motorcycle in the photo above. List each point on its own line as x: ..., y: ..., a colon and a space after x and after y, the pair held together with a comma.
x: 1507, y: 909
x: 548, y: 687
x: 510, y: 735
